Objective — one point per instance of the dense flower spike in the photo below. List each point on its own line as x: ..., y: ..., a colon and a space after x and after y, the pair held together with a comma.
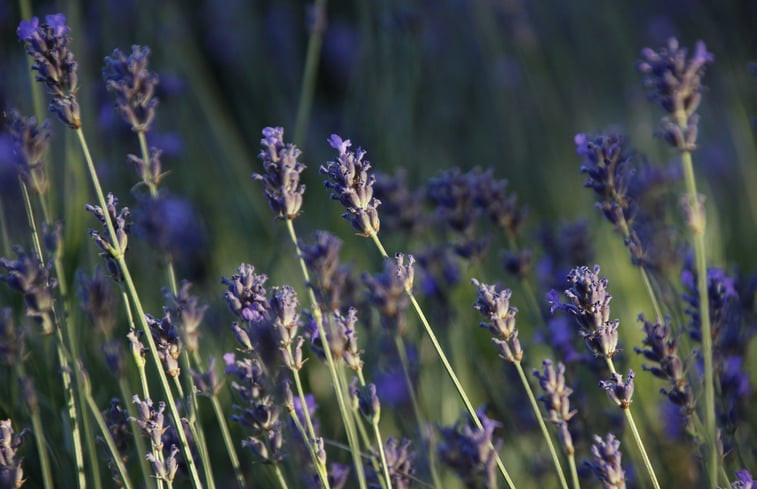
x: 47, y: 44
x: 676, y: 84
x: 469, y: 451
x: 31, y: 278
x: 246, y: 294
x: 387, y: 291
x: 352, y: 185
x: 30, y: 142
x: 166, y: 337
x: 133, y: 86
x: 556, y: 399
x: 618, y: 391
x: 590, y: 306
x: 494, y: 304
x: 185, y: 311
x: 722, y: 296
x: 606, y: 463
x: 399, y: 458
x: 281, y: 175
x: 121, y: 226
x: 11, y: 472
x: 662, y: 349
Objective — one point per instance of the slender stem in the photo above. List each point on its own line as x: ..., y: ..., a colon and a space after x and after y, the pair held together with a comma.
x: 448, y: 369
x: 573, y: 471
x: 636, y: 435
x: 311, y: 69
x: 280, y: 476
x: 317, y: 463
x: 700, y: 256
x: 346, y: 416
x: 131, y: 288
x: 4, y: 231
x: 380, y: 443
x: 542, y: 425
x: 650, y: 291
x: 195, y: 423
x: 228, y: 441
x: 139, y: 442
x: 30, y: 220
x: 39, y: 432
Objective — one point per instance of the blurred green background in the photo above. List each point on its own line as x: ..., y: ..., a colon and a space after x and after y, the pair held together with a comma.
x: 422, y: 86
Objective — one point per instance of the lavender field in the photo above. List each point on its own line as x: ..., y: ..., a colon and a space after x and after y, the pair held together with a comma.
x: 386, y: 245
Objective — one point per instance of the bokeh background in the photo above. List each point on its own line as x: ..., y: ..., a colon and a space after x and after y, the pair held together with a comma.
x: 423, y: 86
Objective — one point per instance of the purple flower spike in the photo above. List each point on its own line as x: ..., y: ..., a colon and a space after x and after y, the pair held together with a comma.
x: 556, y: 399
x: 30, y: 143
x: 11, y: 472
x: 606, y: 465
x: 494, y: 304
x: 29, y: 276
x: 352, y: 185
x: 133, y: 85
x: 54, y: 63
x: 281, y: 175
x: 619, y: 392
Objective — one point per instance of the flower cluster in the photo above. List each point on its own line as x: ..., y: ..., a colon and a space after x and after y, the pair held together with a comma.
x: 154, y: 425
x: 185, y: 311
x: 121, y: 225
x: 333, y: 283
x: 47, y: 44
x: 556, y: 399
x: 133, y: 85
x: 11, y: 472
x: 676, y: 84
x: 471, y: 452
x: 166, y: 337
x: 590, y: 306
x: 352, y: 185
x: 341, y: 338
x: 606, y: 464
x: 30, y: 143
x: 281, y: 174
x: 29, y: 276
x: 494, y: 304
x: 387, y: 291
x: 399, y: 459
x: 618, y: 391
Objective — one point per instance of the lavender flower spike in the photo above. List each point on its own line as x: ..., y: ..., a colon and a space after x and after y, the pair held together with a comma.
x: 47, y: 44
x: 676, y: 84
x: 606, y: 464
x: 30, y: 142
x: 494, y: 304
x: 11, y: 472
x: 352, y: 185
x: 556, y: 399
x: 619, y: 392
x: 133, y: 85
x: 281, y: 175
x: 31, y: 277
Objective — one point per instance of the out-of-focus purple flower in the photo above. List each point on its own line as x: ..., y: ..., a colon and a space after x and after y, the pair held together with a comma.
x: 98, y: 300
x: 151, y: 172
x: 29, y: 276
x: 171, y: 225
x: 494, y: 304
x: 401, y: 208
x: 399, y: 461
x: 166, y: 337
x: 662, y: 349
x: 117, y: 419
x: 352, y: 185
x: 745, y: 481
x: 606, y: 464
x: 187, y: 313
x: 556, y: 399
x: 121, y: 226
x: 341, y: 338
x: 618, y: 391
x: 517, y: 264
x: 387, y: 291
x: 11, y: 472
x: 246, y: 294
x: 676, y: 84
x: 207, y: 383
x: 589, y: 303
x: 721, y: 292
x: 565, y: 246
x: 47, y: 44
x: 492, y: 197
x: 468, y: 450
x: 334, y: 284
x: 366, y: 399
x: 133, y: 85
x: 281, y: 175
x: 30, y: 144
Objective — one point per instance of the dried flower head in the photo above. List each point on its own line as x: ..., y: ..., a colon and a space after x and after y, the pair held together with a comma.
x: 47, y: 44
x: 352, y: 185
x: 133, y: 86
x: 281, y: 175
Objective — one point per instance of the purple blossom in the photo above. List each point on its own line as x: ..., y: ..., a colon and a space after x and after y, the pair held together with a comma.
x: 47, y: 44
x: 342, y: 338
x: 401, y: 207
x: 246, y: 295
x: 111, y: 251
x: 281, y: 175
x: 187, y: 313
x: 618, y: 391
x: 387, y: 291
x: 133, y: 86
x: 471, y: 451
x: 494, y: 304
x: 367, y: 400
x: 745, y: 481
x: 606, y: 464
x: 556, y: 400
x: 29, y: 276
x: 352, y: 185
x: 676, y: 84
x: 166, y: 337
x: 333, y: 283
x: 399, y: 461
x: 30, y: 142
x: 11, y: 472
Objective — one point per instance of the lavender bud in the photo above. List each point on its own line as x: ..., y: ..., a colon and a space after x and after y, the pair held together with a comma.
x: 152, y: 421
x: 185, y: 311
x: 133, y: 86
x: 137, y: 348
x: 167, y: 343
x: 281, y: 174
x: 207, y: 383
x: 111, y: 251
x: 11, y: 472
x: 494, y: 304
x: 510, y: 349
x: 388, y: 291
x: 246, y: 294
x: 399, y: 459
x: 47, y: 44
x: 31, y: 278
x: 468, y: 450
x: 618, y: 391
x: 366, y: 399
x: 606, y: 463
x: 30, y: 144
x: 556, y: 400
x: 352, y: 185
x: 284, y: 306
x: 151, y: 172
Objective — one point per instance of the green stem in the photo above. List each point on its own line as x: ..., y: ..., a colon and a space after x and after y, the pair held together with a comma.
x: 697, y: 229
x: 650, y: 291
x: 131, y: 288
x: 105, y: 432
x: 309, y: 76
x: 346, y: 416
x: 573, y: 471
x: 39, y: 433
x: 380, y: 443
x: 195, y: 422
x: 228, y: 441
x: 448, y: 369
x: 542, y: 425
x: 636, y: 435
x: 317, y: 463
x: 280, y: 476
